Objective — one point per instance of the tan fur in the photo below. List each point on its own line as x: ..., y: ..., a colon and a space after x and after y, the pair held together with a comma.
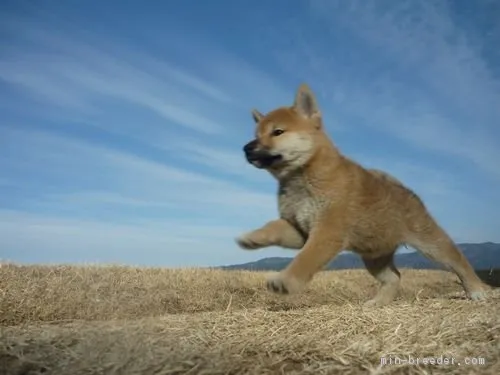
x: 329, y: 203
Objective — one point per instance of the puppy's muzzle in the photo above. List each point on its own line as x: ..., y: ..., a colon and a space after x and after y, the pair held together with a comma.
x: 259, y: 157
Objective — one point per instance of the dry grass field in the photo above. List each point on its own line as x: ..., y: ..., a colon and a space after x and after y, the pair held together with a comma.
x: 124, y: 320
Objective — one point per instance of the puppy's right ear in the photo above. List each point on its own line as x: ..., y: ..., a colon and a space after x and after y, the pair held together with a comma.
x: 257, y: 116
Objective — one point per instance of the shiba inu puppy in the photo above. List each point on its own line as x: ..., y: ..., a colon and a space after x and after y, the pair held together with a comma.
x: 329, y: 203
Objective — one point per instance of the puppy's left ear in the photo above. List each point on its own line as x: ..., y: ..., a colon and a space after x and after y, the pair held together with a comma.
x: 257, y: 116
x: 305, y: 104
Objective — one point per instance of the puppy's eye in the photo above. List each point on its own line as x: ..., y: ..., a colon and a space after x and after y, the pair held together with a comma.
x: 277, y: 132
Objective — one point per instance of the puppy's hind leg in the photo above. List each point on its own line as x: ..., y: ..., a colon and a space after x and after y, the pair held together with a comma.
x: 275, y: 233
x: 436, y: 245
x: 384, y: 270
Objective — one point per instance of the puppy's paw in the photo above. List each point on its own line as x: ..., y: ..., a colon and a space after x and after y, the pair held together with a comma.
x: 377, y: 302
x: 481, y: 294
x: 281, y: 283
x: 252, y: 241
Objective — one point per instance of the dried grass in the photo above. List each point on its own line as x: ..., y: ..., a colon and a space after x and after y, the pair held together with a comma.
x: 124, y: 320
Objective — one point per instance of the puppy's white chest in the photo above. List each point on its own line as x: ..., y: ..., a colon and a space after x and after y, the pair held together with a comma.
x: 300, y: 209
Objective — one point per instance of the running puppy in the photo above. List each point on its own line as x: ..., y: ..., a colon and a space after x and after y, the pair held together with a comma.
x: 329, y: 203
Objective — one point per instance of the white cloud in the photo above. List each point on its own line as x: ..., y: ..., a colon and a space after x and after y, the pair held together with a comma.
x: 90, y: 196
x: 100, y: 204
x: 82, y: 73
x: 35, y: 238
x: 71, y: 83
x: 71, y: 158
x: 222, y: 160
x: 427, y: 82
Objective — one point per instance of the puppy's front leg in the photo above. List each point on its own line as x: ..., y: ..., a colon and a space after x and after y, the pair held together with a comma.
x: 324, y: 243
x: 275, y: 233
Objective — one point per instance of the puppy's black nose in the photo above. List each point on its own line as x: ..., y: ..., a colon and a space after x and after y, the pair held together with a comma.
x: 250, y: 146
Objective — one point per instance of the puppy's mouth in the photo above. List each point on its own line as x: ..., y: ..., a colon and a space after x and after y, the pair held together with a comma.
x: 263, y: 159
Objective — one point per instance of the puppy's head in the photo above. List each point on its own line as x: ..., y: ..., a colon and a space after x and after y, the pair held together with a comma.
x: 286, y: 137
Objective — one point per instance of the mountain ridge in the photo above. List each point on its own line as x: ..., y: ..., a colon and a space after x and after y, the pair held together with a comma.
x: 484, y: 255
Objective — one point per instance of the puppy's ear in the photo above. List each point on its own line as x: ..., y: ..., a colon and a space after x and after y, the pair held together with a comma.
x: 305, y: 103
x: 257, y: 116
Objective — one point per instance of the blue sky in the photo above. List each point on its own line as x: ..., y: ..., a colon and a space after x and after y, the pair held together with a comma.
x: 122, y: 123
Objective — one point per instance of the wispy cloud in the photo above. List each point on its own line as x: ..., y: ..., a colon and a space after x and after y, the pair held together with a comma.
x: 74, y: 164
x: 89, y: 196
x: 34, y: 238
x: 426, y: 82
x: 219, y: 159
x: 81, y: 74
x: 76, y: 75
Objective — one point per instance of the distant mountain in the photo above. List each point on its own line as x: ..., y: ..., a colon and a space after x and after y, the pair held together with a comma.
x: 482, y: 256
